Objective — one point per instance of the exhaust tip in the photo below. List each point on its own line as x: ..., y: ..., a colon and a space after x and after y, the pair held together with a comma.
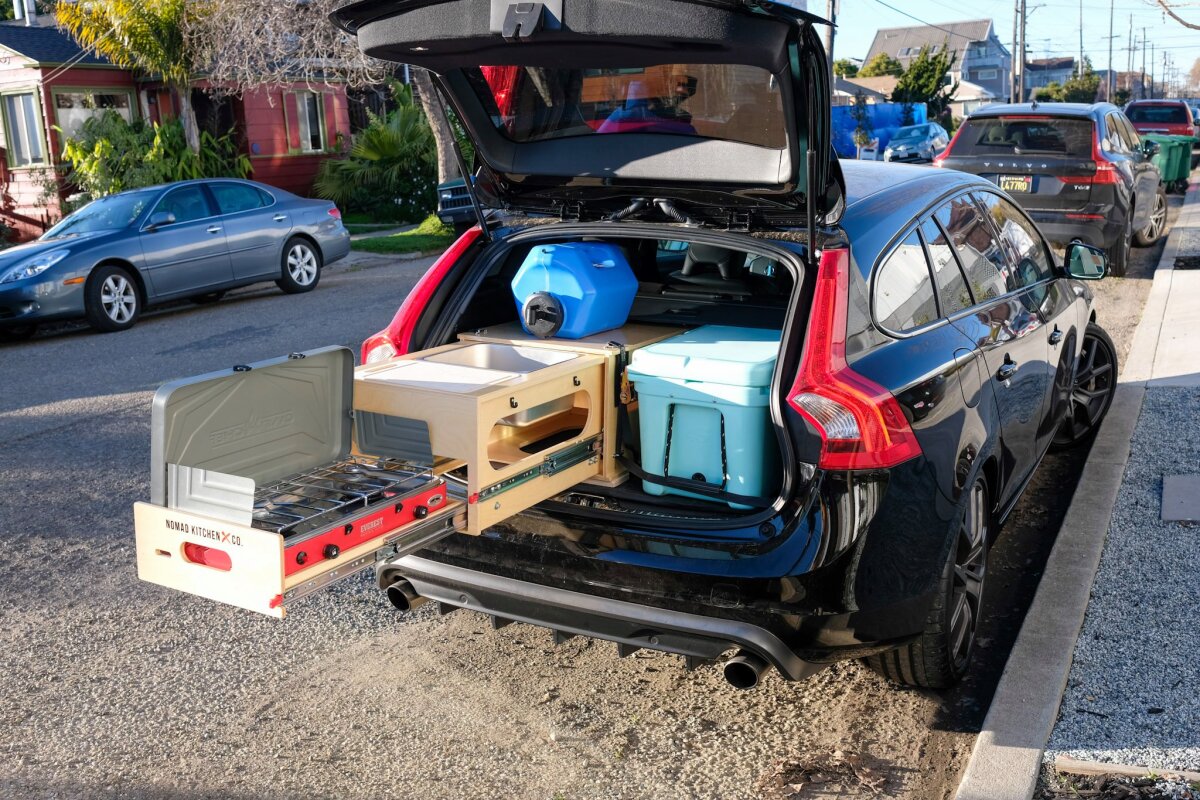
x: 744, y: 670
x: 403, y: 596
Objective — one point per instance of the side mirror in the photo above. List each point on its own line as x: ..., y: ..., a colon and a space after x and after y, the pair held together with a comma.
x: 1086, y: 263
x: 160, y: 218
x: 1150, y: 149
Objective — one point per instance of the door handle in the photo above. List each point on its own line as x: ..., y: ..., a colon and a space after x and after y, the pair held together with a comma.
x: 1056, y: 336
x: 279, y: 217
x: 1007, y: 369
x: 214, y: 229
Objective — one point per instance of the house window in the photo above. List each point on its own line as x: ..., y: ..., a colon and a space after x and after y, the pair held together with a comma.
x: 310, y: 119
x: 986, y: 74
x: 73, y: 108
x: 24, y: 132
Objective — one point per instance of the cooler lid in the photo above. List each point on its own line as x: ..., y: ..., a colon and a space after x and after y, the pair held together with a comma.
x: 263, y: 421
x: 711, y: 354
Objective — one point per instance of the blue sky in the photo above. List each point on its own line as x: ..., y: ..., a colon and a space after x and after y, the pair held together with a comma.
x: 1052, y: 30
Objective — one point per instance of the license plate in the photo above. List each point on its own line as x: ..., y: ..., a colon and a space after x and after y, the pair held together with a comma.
x: 1016, y: 183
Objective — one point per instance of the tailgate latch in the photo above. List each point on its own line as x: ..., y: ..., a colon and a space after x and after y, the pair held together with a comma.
x: 522, y: 20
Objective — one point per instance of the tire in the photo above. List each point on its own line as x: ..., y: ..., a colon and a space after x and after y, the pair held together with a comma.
x: 207, y: 298
x: 300, y: 266
x: 111, y: 301
x: 1092, y: 388
x: 1118, y: 254
x: 1158, y: 221
x: 18, y: 333
x: 940, y: 656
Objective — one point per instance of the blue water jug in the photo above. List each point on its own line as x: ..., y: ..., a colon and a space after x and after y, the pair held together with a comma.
x: 574, y: 290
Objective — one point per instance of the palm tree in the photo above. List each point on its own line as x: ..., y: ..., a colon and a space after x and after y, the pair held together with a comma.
x: 146, y: 35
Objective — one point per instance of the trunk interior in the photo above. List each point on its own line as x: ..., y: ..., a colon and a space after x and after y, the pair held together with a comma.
x: 718, y: 294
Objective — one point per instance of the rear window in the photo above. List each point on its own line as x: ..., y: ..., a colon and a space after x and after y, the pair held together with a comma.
x: 1172, y: 114
x: 733, y: 102
x: 989, y: 136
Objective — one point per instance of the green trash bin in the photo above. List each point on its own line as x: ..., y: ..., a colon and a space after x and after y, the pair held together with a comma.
x: 1174, y: 159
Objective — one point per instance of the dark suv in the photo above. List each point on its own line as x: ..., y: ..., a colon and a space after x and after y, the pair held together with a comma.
x: 1081, y: 171
x: 931, y: 347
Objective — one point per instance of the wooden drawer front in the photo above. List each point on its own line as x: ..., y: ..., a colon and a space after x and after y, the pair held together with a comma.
x: 245, y: 567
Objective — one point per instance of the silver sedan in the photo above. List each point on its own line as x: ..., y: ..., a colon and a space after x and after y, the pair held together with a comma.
x: 193, y: 239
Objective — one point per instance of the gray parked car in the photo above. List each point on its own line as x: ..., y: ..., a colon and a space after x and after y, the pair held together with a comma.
x: 192, y: 239
x: 917, y: 143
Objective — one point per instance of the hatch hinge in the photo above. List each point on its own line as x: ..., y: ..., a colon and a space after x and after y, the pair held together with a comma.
x: 571, y: 211
x: 739, y: 220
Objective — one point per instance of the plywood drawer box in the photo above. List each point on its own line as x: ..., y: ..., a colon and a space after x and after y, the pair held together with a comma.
x: 526, y: 422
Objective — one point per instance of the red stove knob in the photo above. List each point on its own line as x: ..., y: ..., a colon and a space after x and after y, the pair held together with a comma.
x: 332, y: 551
x: 420, y: 512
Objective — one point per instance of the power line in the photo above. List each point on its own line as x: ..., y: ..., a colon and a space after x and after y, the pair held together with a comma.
x: 923, y: 22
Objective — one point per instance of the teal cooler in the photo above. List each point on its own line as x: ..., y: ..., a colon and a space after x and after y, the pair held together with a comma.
x: 704, y: 410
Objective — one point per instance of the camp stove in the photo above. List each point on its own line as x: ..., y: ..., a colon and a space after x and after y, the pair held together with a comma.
x: 324, y: 511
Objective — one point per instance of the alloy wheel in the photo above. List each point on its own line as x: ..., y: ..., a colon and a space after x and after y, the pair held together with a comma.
x: 118, y: 297
x: 970, y: 567
x: 1158, y: 219
x: 1091, y: 390
x: 302, y: 264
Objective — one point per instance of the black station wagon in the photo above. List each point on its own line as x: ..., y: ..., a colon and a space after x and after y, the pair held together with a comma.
x: 931, y: 348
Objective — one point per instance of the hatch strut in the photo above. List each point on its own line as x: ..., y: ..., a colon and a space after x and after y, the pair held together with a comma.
x: 468, y: 178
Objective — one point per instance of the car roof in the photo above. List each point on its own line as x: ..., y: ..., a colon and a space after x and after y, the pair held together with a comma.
x: 1162, y: 101
x: 173, y: 184
x: 1049, y: 109
x: 866, y: 179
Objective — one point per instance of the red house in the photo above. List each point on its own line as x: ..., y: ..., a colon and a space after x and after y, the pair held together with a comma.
x: 48, y: 81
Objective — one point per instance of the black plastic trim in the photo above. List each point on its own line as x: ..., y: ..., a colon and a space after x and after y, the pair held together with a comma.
x: 598, y: 617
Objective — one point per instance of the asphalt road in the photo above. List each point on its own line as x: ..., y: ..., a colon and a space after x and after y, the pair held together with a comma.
x: 116, y: 688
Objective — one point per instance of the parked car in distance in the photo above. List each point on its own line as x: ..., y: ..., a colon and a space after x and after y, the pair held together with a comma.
x: 1172, y: 117
x: 917, y: 143
x: 119, y: 254
x: 1080, y: 171
x: 931, y: 348
x: 454, y: 205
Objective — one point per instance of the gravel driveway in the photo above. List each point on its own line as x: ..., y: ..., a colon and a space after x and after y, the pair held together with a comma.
x: 116, y: 688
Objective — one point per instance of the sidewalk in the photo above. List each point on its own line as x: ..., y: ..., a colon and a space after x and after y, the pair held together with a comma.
x: 1106, y: 667
x: 1133, y: 694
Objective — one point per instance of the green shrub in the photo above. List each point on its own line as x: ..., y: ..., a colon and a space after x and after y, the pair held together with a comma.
x: 390, y: 173
x: 110, y: 155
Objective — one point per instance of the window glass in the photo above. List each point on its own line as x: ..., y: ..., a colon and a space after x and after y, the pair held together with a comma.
x: 982, y: 136
x: 1131, y: 134
x: 235, y: 197
x: 72, y: 109
x: 952, y: 286
x: 1161, y: 113
x: 24, y: 132
x: 109, y: 213
x: 978, y: 251
x: 1117, y: 139
x: 309, y: 116
x: 1020, y: 241
x: 733, y: 102
x: 904, y: 297
x: 186, y: 203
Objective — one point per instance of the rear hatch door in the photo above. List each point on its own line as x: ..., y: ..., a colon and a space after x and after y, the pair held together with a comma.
x: 1045, y: 162
x: 576, y: 107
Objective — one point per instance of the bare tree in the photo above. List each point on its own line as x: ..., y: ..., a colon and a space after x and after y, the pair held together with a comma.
x: 247, y: 44
x: 1171, y: 13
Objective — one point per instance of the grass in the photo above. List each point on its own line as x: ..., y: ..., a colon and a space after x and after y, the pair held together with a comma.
x: 431, y: 236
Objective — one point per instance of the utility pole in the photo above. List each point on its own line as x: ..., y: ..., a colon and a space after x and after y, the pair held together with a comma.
x: 1152, y: 70
x: 1129, y: 66
x: 1142, y: 93
x: 1021, y: 57
x: 1108, y: 90
x: 1079, y: 66
x: 831, y: 15
x: 1012, y: 72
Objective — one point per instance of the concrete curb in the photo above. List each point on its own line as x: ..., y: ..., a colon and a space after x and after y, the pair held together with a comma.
x: 1007, y: 757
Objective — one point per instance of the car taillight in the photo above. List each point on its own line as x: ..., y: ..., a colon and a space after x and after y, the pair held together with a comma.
x: 335, y: 212
x: 399, y: 333
x: 1106, y: 171
x: 861, y: 424
x: 940, y: 157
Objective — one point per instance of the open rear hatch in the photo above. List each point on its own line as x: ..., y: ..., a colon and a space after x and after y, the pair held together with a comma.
x: 581, y: 107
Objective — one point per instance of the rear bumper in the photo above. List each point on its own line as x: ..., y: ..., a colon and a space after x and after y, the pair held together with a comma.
x: 1061, y: 229
x: 631, y: 624
x: 335, y: 247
